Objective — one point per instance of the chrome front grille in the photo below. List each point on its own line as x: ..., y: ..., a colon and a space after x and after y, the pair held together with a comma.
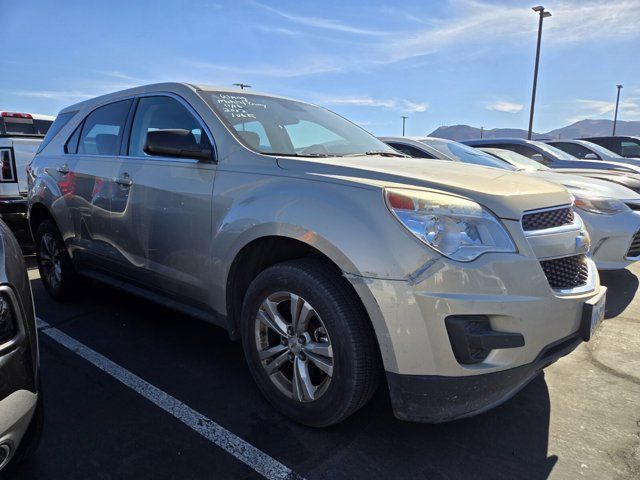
x: 566, y: 272
x: 550, y: 218
x: 634, y: 248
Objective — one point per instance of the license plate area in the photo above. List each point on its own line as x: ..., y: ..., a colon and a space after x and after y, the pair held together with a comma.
x: 593, y: 315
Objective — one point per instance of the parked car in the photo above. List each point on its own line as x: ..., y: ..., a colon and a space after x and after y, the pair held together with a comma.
x: 20, y: 136
x: 333, y: 257
x: 609, y: 211
x: 591, y: 151
x: 21, y: 410
x: 552, y: 157
x: 625, y: 146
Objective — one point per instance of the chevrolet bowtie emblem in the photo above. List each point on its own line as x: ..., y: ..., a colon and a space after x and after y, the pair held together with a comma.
x: 583, y: 242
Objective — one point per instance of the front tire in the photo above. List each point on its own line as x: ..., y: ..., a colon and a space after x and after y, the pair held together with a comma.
x: 57, y: 272
x: 309, y: 343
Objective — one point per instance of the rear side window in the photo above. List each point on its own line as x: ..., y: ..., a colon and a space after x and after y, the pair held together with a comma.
x: 18, y: 126
x: 58, y: 124
x: 41, y: 127
x: 574, y: 149
x: 409, y: 150
x: 630, y: 149
x: 72, y: 143
x: 162, y: 113
x: 102, y: 129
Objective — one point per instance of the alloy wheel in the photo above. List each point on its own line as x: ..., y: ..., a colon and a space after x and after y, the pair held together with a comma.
x: 50, y: 260
x: 294, y: 346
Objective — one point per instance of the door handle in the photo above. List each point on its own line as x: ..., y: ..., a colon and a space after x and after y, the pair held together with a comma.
x: 63, y: 169
x: 124, y: 180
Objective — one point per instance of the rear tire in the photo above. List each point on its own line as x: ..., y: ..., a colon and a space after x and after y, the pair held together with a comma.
x: 326, y: 363
x: 57, y: 272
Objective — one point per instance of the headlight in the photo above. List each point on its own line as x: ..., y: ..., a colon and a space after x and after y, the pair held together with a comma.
x: 600, y: 205
x: 453, y: 226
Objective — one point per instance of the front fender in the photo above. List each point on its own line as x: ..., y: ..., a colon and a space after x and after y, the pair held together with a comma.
x: 350, y: 225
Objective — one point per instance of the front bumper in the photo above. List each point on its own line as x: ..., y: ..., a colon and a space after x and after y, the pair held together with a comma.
x: 16, y: 412
x: 611, y: 236
x: 13, y: 208
x: 426, y: 381
x: 13, y: 211
x: 435, y: 399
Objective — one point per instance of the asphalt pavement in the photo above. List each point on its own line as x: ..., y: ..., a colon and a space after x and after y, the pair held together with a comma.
x: 580, y: 419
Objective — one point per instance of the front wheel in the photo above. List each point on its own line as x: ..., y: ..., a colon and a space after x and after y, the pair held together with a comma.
x: 309, y: 342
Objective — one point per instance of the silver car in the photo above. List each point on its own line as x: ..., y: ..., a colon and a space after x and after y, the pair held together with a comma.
x: 334, y: 258
x: 585, y: 150
x: 609, y: 211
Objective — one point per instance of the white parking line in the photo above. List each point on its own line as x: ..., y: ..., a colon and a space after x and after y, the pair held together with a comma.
x: 223, y: 438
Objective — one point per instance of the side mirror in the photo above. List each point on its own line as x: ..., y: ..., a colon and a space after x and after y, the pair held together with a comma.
x: 175, y: 143
x: 537, y: 157
x: 591, y: 156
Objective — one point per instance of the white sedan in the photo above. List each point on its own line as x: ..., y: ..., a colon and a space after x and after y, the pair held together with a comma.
x: 610, y: 211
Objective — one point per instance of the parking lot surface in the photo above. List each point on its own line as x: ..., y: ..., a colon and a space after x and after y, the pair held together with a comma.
x: 581, y: 418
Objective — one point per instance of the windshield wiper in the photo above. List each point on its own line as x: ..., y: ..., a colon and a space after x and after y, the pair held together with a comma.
x: 381, y: 153
x: 316, y: 155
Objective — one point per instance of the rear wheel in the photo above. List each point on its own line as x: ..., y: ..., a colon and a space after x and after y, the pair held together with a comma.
x: 309, y: 343
x: 57, y: 273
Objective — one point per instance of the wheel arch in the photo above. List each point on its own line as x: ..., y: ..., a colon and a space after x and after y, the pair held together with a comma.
x: 38, y: 213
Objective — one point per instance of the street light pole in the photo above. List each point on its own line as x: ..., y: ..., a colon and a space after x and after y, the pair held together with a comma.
x: 481, y: 132
x: 404, y: 119
x: 615, y: 117
x: 543, y: 14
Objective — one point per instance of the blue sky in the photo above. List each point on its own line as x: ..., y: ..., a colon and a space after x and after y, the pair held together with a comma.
x: 438, y: 62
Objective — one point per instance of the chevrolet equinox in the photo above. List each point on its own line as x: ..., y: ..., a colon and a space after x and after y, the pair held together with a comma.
x: 332, y: 257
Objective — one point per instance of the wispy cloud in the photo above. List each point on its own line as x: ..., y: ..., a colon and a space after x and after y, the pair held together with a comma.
x: 317, y: 22
x: 362, y: 101
x: 629, y: 109
x: 505, y: 106
x: 62, y: 95
x: 572, y: 21
x: 313, y: 66
x: 278, y: 30
x: 414, y: 107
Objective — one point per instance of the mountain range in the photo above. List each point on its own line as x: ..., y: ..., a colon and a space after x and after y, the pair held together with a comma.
x: 582, y: 128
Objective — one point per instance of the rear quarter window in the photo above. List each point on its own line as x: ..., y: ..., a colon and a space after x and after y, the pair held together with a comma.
x: 53, y: 129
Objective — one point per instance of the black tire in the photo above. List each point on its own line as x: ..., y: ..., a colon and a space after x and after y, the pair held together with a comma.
x: 67, y: 284
x: 355, y: 358
x: 33, y: 435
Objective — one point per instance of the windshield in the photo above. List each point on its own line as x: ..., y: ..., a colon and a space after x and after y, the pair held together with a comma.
x: 554, y: 152
x: 275, y: 126
x: 600, y: 150
x: 518, y: 161
x: 463, y: 153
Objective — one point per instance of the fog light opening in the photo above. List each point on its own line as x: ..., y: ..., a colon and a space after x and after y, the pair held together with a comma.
x: 472, y: 338
x: 5, y: 453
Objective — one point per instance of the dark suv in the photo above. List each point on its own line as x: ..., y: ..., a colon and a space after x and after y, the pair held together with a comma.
x: 21, y: 412
x: 625, y: 146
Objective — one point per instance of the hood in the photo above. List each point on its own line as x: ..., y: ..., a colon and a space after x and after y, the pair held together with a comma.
x: 506, y: 193
x: 596, y: 165
x: 594, y: 186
